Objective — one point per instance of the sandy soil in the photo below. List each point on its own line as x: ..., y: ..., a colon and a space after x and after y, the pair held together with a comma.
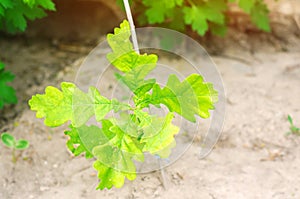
x: 253, y: 158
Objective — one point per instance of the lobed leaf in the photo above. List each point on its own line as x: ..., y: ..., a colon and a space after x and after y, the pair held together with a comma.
x: 72, y: 104
x: 198, y: 15
x: 195, y: 17
x: 110, y: 177
x: 120, y: 150
x: 123, y: 57
x: 188, y: 98
x: 159, y: 136
x: 135, y: 78
x: 115, y: 158
x: 84, y: 139
x: 55, y: 105
x: 15, y: 13
x: 158, y: 10
x: 127, y: 62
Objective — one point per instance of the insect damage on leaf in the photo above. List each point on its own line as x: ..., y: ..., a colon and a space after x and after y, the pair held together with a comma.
x: 117, y: 142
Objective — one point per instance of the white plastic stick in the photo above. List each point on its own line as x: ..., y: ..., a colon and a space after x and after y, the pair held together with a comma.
x: 132, y: 27
x: 136, y: 48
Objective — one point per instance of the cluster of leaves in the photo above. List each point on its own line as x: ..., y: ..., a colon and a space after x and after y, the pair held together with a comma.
x: 116, y: 142
x: 293, y: 129
x: 7, y: 93
x: 15, y: 13
x: 201, y: 15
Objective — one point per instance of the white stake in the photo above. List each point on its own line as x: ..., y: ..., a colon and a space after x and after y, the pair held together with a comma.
x: 136, y: 48
x: 132, y: 27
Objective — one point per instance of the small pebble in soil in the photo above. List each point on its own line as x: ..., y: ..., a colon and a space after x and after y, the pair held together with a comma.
x: 44, y: 188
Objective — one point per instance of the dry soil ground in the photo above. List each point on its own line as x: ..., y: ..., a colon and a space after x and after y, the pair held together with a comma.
x: 253, y: 158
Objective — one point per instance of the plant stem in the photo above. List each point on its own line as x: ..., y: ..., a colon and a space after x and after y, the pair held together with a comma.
x: 14, y: 158
x: 132, y: 27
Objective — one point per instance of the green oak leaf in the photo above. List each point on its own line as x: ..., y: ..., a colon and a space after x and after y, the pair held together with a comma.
x: 159, y: 136
x: 84, y: 139
x: 135, y: 78
x: 187, y: 98
x: 93, y: 104
x: 72, y: 104
x: 110, y: 177
x: 120, y: 150
x: 206, y: 95
x: 131, y: 60
x: 55, y: 105
x: 123, y: 57
x: 144, y: 118
x: 120, y: 41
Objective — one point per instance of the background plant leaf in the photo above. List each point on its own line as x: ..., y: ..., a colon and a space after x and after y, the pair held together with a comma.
x: 7, y: 93
x: 8, y: 140
x: 22, y: 144
x: 15, y: 13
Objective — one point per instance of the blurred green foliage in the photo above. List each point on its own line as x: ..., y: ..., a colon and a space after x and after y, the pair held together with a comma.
x: 7, y: 93
x: 200, y: 15
x: 14, y: 14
